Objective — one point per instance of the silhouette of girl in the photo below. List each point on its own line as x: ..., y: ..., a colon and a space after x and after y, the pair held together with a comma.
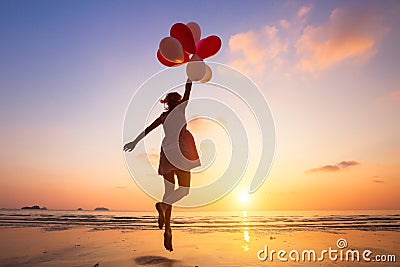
x: 177, y: 142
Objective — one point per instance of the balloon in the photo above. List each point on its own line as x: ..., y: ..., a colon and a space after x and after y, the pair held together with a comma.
x: 196, y: 57
x: 207, y: 76
x: 168, y: 63
x: 196, y: 68
x: 184, y: 35
x: 171, y: 49
x: 196, y: 31
x: 209, y: 46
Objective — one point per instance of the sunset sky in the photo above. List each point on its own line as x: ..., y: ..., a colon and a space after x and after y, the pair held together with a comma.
x: 330, y: 71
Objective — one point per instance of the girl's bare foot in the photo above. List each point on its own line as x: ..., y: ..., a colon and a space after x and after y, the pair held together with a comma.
x: 168, y: 239
x: 159, y: 208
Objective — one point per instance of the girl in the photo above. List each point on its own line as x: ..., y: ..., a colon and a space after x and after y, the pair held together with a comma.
x: 178, y: 155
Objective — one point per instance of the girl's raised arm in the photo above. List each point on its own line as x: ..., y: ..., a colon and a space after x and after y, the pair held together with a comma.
x: 188, y: 88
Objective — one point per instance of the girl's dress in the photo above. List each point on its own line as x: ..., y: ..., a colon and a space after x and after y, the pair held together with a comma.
x: 178, y: 149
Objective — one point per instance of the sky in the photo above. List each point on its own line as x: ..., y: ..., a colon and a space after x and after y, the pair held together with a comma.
x: 328, y: 69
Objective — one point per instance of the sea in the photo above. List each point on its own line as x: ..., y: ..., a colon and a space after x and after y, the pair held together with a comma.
x: 256, y: 221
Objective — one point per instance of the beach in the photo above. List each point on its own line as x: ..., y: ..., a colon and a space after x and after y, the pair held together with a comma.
x: 84, y: 247
x: 216, y: 240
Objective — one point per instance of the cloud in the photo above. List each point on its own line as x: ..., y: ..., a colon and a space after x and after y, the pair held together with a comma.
x: 290, y: 45
x: 326, y: 168
x: 121, y: 187
x: 350, y: 34
x: 395, y: 96
x: 198, y: 124
x: 349, y: 163
x: 303, y: 11
x: 256, y: 51
x: 334, y: 168
x: 284, y: 24
x: 153, y: 157
x: 377, y: 179
x: 392, y: 97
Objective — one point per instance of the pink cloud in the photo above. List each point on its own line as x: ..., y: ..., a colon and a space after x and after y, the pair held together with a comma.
x: 334, y: 168
x: 395, y: 96
x: 347, y: 163
x: 303, y: 11
x: 153, y: 157
x: 349, y: 34
x: 198, y: 124
x: 391, y: 98
x: 326, y: 168
x: 253, y: 52
x: 284, y: 24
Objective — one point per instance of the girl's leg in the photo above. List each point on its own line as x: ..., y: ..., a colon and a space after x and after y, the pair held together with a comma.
x: 183, y: 189
x: 183, y: 179
x: 168, y: 230
x: 169, y: 185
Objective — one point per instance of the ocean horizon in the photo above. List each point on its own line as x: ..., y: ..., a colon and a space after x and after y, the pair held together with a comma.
x: 209, y: 221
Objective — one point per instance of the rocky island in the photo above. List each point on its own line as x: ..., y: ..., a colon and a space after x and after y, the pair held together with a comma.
x: 36, y: 207
x: 101, y: 209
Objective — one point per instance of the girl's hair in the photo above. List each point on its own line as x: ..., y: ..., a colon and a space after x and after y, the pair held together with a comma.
x: 172, y: 100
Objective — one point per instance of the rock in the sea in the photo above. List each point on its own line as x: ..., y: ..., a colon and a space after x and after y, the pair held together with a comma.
x: 31, y: 208
x: 79, y: 209
x: 101, y: 209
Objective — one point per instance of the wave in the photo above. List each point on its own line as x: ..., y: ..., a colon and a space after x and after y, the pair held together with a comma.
x: 202, y: 222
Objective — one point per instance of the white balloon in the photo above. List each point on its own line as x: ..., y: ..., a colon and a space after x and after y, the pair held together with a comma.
x: 196, y: 31
x: 207, y: 76
x: 171, y: 49
x: 196, y: 69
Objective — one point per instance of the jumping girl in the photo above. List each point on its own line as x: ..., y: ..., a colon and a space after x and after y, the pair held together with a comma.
x: 177, y: 157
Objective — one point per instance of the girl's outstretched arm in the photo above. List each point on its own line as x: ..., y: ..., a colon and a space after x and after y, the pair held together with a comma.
x: 131, y: 145
x: 188, y: 88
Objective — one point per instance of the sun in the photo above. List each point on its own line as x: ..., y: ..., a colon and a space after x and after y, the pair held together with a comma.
x: 244, y: 197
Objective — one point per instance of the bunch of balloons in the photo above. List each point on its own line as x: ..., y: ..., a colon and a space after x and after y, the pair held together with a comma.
x: 185, y: 46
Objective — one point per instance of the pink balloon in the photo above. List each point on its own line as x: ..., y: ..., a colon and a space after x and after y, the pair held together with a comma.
x: 195, y: 70
x: 184, y: 35
x: 171, y: 49
x: 168, y: 63
x: 196, y: 31
x: 209, y: 46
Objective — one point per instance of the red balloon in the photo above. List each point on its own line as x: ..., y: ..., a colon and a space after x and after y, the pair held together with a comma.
x: 168, y: 63
x: 184, y: 35
x: 208, y: 47
x: 196, y: 31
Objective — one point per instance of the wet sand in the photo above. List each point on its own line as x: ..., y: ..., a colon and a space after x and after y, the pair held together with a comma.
x: 85, y: 247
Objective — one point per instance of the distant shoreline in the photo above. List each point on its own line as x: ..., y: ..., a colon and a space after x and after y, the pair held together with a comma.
x: 205, y: 221
x: 227, y: 211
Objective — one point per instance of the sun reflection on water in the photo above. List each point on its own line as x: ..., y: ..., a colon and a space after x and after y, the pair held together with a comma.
x: 246, y: 232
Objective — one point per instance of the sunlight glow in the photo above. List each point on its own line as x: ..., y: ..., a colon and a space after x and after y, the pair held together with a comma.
x: 244, y: 197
